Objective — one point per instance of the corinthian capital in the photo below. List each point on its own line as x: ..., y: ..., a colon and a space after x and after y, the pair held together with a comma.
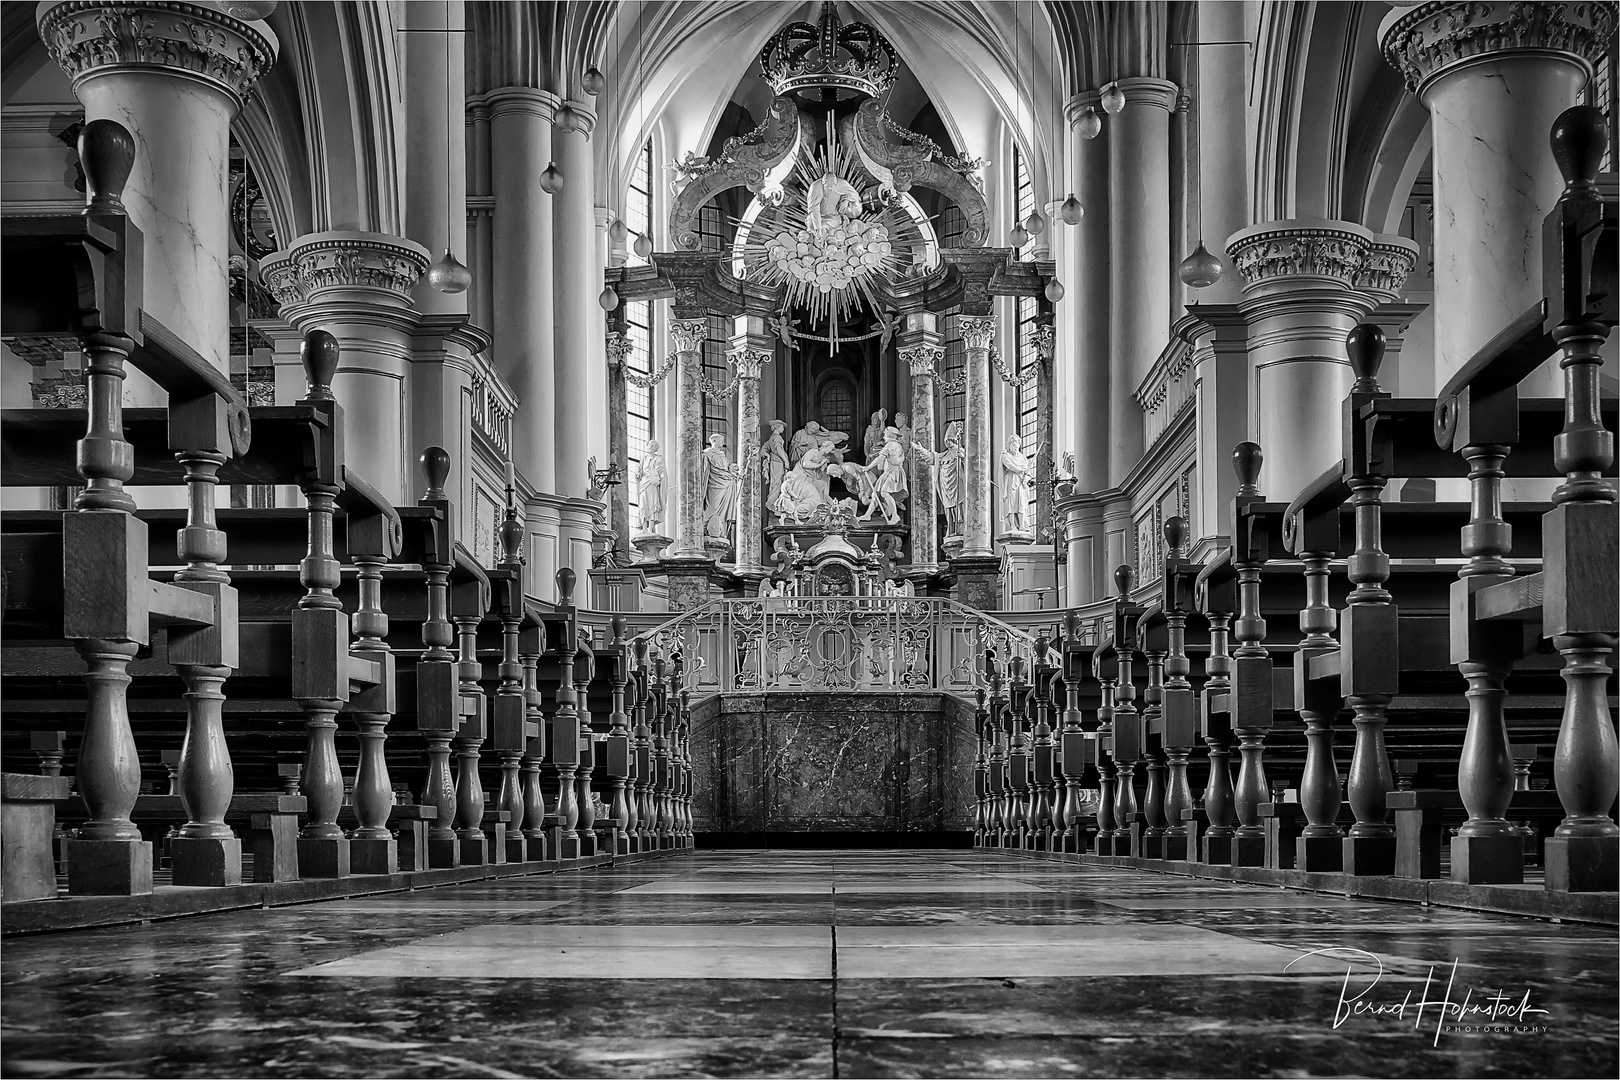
x: 923, y: 360
x: 88, y: 39
x: 1430, y: 40
x: 748, y: 361
x: 344, y: 266
x: 689, y: 334
x: 619, y: 348
x: 1044, y: 338
x: 977, y: 330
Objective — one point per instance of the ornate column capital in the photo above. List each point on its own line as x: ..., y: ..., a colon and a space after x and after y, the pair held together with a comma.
x: 1045, y: 338
x: 689, y: 334
x: 355, y: 266
x: 923, y: 360
x: 1300, y: 253
x: 88, y: 39
x: 619, y: 348
x: 977, y: 330
x: 521, y: 101
x: 1390, y: 261
x: 748, y: 362
x: 1433, y: 39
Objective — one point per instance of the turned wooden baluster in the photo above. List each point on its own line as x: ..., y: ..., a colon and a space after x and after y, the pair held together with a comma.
x: 1218, y: 790
x: 998, y: 754
x: 1579, y: 539
x: 1153, y: 808
x: 1074, y: 743
x: 531, y: 644
x: 640, y: 748
x: 439, y: 789
x: 1176, y: 699
x: 510, y: 700
x: 320, y: 622
x: 683, y: 752
x: 1318, y: 845
x: 1127, y: 726
x: 205, y: 851
x: 584, y: 672
x: 565, y: 730
x: 1106, y: 662
x: 618, y: 744
x: 1369, y: 634
x: 1049, y: 809
x: 373, y: 849
x: 663, y: 752
x: 1251, y: 669
x: 981, y: 768
x: 467, y: 614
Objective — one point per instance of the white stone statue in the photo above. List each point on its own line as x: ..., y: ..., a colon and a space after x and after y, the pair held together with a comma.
x: 813, y: 435
x: 804, y: 488
x: 1017, y: 484
x: 950, y: 465
x: 902, y: 424
x: 719, y: 484
x: 650, y: 489
x: 830, y: 201
x: 888, y: 475
x: 773, y: 461
x: 873, y: 444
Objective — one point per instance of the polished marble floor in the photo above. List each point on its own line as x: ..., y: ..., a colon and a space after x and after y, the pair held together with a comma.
x: 799, y: 963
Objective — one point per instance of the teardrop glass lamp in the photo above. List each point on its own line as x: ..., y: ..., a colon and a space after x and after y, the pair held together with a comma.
x: 1035, y: 224
x: 1113, y: 99
x: 593, y: 81
x: 642, y: 246
x: 1201, y: 269
x: 1089, y: 125
x: 617, y: 232
x: 1055, y: 290
x: 551, y: 181
x: 1071, y: 210
x: 448, y: 275
x: 608, y: 298
x: 1018, y: 237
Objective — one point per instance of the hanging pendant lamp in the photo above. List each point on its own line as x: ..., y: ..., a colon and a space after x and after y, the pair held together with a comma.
x: 643, y: 246
x: 617, y: 232
x: 1035, y: 224
x: 1071, y: 210
x: 1201, y: 269
x: 1113, y: 99
x: 551, y: 181
x: 608, y: 298
x: 1055, y: 290
x: 593, y: 80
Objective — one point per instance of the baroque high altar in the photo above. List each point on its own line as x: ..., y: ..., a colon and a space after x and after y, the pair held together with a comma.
x: 839, y: 281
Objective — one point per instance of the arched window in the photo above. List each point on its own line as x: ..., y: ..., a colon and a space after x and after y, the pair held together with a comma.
x: 1028, y: 308
x: 836, y: 404
x: 638, y: 400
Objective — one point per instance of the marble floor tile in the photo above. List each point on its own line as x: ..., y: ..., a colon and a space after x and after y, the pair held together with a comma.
x: 427, y: 961
x: 1239, y: 902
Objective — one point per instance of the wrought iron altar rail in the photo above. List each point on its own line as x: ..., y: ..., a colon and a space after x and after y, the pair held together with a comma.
x: 824, y: 644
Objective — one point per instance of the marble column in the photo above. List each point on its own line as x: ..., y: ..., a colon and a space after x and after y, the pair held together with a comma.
x: 1139, y: 257
x: 977, y: 331
x: 1494, y: 74
x: 576, y: 275
x: 923, y: 361
x: 688, y: 335
x: 1306, y: 282
x: 357, y: 286
x: 619, y: 349
x: 1045, y: 337
x: 1088, y: 330
x: 524, y: 316
x: 175, y: 75
x: 434, y: 84
x: 748, y: 363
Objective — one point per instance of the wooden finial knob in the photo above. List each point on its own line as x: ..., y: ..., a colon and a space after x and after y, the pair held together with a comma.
x: 641, y: 652
x: 1246, y: 459
x: 107, y: 154
x: 1365, y: 344
x: 1071, y: 626
x: 1042, y: 643
x: 1579, y: 137
x: 319, y: 353
x: 565, y: 586
x: 436, y: 467
x: 1124, y: 577
x: 617, y: 625
x: 1175, y: 534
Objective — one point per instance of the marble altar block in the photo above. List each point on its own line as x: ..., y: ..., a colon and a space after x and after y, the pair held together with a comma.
x: 866, y: 762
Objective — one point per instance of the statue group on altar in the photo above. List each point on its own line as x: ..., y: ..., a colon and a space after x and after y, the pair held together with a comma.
x: 816, y: 458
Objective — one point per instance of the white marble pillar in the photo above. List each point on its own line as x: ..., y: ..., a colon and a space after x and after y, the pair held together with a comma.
x: 977, y: 331
x: 435, y: 87
x: 923, y: 361
x: 175, y: 75
x: 1139, y: 265
x: 1220, y: 345
x: 576, y: 275
x: 748, y: 363
x: 1306, y: 283
x: 1219, y: 102
x: 687, y: 336
x: 1493, y: 74
x: 1088, y: 329
x: 524, y: 315
x: 357, y: 286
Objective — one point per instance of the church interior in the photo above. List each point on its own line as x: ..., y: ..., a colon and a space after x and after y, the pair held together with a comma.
x: 775, y: 538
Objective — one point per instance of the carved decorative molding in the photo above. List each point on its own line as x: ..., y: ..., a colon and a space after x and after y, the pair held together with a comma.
x: 748, y: 362
x: 689, y: 334
x: 1045, y: 338
x: 1390, y: 261
x: 1283, y: 249
x: 344, y: 260
x: 619, y: 348
x: 87, y: 39
x: 1426, y: 41
x: 923, y: 360
x: 977, y: 330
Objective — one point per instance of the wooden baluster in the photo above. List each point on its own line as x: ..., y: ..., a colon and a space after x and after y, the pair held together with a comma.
x: 584, y: 672
x: 565, y: 729
x: 1035, y: 810
x: 204, y: 851
x: 1486, y: 850
x: 617, y: 747
x: 438, y: 706
x: 683, y: 749
x: 997, y: 776
x: 1047, y: 818
x: 1150, y: 642
x: 104, y: 558
x: 640, y: 749
x: 320, y: 647
x: 1579, y: 538
x: 1108, y: 830
x: 1127, y: 728
x: 1077, y: 748
x: 1059, y: 788
x: 1319, y: 845
x: 372, y: 847
x: 1369, y: 635
x: 981, y: 769
x: 1218, y: 790
x: 1251, y: 670
x: 663, y: 758
x: 509, y: 724
x: 1177, y: 705
x: 534, y: 799
x: 467, y: 611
